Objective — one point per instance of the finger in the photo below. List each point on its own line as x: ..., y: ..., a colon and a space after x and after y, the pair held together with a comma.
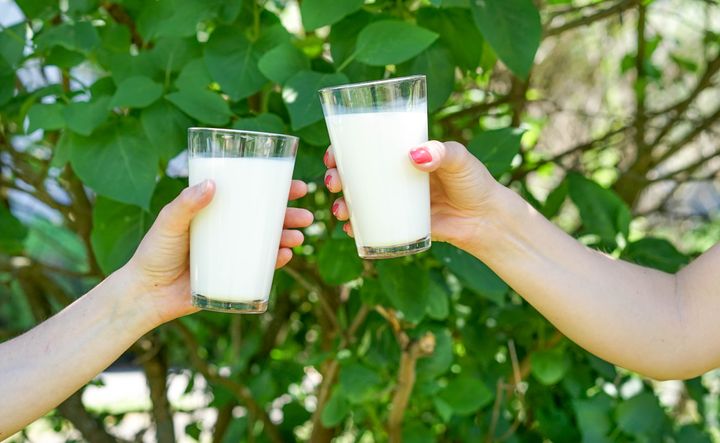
x: 340, y: 210
x: 332, y: 180
x: 298, y: 189
x: 347, y: 227
x: 176, y: 215
x: 434, y: 155
x: 329, y: 158
x: 291, y: 238
x: 284, y: 256
x: 298, y: 218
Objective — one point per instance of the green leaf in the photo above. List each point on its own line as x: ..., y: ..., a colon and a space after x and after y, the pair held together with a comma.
x: 343, y: 36
x: 12, y: 232
x: 549, y: 367
x: 117, y: 231
x: 656, y: 253
x: 407, y: 286
x: 512, y: 28
x: 593, y: 418
x: 338, y: 262
x: 465, y: 395
x: 603, y: 213
x: 555, y: 200
x: 232, y: 61
x: 640, y: 415
x: 317, y: 13
x: 136, y: 92
x: 64, y: 58
x: 61, y: 152
x: 171, y: 18
x: 7, y: 84
x: 37, y: 8
x: 85, y: 117
x: 438, y: 302
x: 80, y: 36
x: 456, y: 29
x: 12, y: 42
x: 417, y: 432
x: 335, y: 410
x: 48, y: 117
x: 265, y: 122
x: 116, y: 163
x: 282, y: 62
x: 194, y: 75
x: 473, y: 273
x: 122, y: 66
x: 389, y: 42
x: 316, y: 134
x: 166, y: 128
x: 202, y: 105
x: 171, y: 54
x: 497, y: 148
x: 692, y: 434
x: 358, y: 382
x: 437, y: 64
x: 301, y: 96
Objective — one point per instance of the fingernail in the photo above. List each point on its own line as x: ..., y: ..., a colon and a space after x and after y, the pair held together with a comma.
x: 345, y: 227
x: 334, y: 208
x: 421, y: 156
x: 202, y: 188
x: 325, y: 157
x: 327, y: 180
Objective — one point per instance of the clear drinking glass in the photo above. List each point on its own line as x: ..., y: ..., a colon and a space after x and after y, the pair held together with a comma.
x: 373, y: 126
x: 234, y: 240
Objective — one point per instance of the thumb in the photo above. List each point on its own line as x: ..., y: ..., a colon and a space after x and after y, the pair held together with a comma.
x: 175, y: 217
x: 433, y: 156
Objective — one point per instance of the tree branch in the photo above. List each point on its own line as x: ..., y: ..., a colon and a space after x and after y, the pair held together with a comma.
x: 678, y: 110
x: 319, y: 432
x: 617, y: 8
x: 156, y: 369
x: 118, y: 13
x: 416, y: 349
x: 90, y: 428
x: 240, y: 390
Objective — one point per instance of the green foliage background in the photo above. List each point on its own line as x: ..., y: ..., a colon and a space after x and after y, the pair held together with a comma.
x: 477, y: 363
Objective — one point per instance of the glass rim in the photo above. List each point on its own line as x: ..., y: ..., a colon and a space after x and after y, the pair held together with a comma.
x: 373, y: 83
x: 197, y: 129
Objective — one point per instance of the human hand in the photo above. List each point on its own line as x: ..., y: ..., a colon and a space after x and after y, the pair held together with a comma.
x: 461, y: 190
x: 160, y: 266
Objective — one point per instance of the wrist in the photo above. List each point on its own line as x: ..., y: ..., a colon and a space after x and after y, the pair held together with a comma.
x: 129, y: 300
x: 485, y: 227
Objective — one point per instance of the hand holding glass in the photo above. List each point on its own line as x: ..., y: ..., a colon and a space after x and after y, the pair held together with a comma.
x: 373, y: 126
x: 234, y: 240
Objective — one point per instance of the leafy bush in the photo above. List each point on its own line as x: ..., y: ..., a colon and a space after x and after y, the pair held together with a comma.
x: 95, y: 100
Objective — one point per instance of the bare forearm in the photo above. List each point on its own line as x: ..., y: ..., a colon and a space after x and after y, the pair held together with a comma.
x: 632, y: 316
x: 41, y: 368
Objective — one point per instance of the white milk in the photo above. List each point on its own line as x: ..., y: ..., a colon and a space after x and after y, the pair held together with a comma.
x: 388, y: 199
x: 234, y: 240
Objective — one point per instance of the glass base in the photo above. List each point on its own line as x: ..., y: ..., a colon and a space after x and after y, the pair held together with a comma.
x: 233, y: 307
x: 414, y: 247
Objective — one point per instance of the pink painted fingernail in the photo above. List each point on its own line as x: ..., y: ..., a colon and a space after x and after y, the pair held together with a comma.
x: 334, y: 208
x: 328, y: 178
x: 421, y: 156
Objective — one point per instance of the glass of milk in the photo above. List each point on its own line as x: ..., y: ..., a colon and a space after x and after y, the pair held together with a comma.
x: 373, y: 126
x: 234, y: 240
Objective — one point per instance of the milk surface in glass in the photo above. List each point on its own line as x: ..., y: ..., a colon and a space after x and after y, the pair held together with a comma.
x: 373, y: 126
x: 234, y: 240
x: 388, y: 198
